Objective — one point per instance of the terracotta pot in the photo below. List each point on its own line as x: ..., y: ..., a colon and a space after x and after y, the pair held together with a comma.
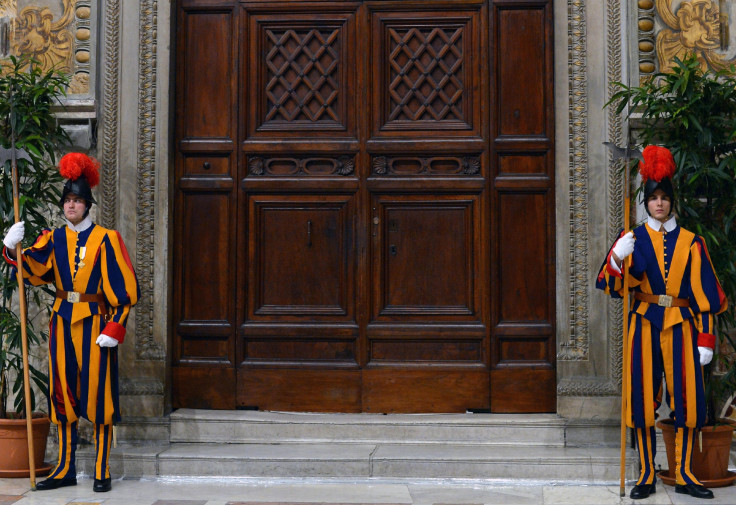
x: 14, y: 446
x: 710, y: 465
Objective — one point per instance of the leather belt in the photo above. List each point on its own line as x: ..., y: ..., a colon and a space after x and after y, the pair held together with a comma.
x: 662, y: 300
x: 75, y: 297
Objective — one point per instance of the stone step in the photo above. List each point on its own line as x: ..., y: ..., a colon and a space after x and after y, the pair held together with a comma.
x: 204, y: 426
x: 363, y: 460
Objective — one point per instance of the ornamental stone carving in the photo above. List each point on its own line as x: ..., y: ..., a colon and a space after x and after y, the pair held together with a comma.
x: 670, y: 29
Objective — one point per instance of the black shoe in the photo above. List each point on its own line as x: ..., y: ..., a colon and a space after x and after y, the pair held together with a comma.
x: 642, y: 491
x: 694, y: 490
x: 47, y: 484
x: 102, y: 485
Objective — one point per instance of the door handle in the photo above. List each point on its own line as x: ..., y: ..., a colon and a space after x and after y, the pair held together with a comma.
x: 309, y: 233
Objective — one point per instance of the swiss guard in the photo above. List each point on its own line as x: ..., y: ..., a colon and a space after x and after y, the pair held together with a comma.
x: 676, y: 295
x: 96, y: 287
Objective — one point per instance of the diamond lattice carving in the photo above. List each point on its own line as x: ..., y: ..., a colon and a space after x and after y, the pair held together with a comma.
x: 302, y: 82
x: 426, y: 74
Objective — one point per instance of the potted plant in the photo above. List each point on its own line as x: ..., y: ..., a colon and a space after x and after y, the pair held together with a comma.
x: 31, y: 93
x: 693, y: 113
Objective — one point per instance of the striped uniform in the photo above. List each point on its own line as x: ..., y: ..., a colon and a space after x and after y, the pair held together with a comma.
x: 665, y: 340
x: 83, y: 376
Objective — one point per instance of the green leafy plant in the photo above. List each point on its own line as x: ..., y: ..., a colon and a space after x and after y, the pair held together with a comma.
x: 693, y: 113
x: 27, y: 96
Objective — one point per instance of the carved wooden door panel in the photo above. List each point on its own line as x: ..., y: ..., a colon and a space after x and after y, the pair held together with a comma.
x: 357, y: 172
x: 203, y: 360
x: 427, y: 329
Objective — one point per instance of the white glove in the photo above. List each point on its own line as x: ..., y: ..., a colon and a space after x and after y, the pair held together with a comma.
x: 706, y: 355
x: 14, y: 235
x: 624, y: 246
x: 105, y: 341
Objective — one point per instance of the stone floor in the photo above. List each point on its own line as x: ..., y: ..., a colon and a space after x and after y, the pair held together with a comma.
x: 221, y: 491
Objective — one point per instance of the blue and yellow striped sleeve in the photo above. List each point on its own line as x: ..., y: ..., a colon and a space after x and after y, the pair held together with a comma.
x: 119, y: 284
x: 707, y: 296
x: 38, y: 260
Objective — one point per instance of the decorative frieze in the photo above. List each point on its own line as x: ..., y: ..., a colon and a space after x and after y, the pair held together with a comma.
x: 141, y: 387
x: 309, y: 165
x: 426, y: 165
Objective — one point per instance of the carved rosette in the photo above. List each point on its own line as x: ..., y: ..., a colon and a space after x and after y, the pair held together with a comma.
x: 471, y: 165
x: 345, y: 165
x: 379, y: 165
x: 255, y: 165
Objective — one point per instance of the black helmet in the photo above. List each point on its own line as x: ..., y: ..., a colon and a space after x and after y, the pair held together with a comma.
x: 650, y: 186
x: 79, y: 187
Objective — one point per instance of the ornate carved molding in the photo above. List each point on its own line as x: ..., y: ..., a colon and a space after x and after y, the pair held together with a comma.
x: 615, y: 133
x: 590, y: 387
x: 645, y: 32
x: 576, y: 348
x: 141, y: 387
x: 426, y: 165
x: 311, y: 165
x: 83, y: 48
x: 109, y: 109
x: 146, y: 347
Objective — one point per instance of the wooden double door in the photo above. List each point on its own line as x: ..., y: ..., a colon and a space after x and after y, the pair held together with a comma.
x: 364, y: 206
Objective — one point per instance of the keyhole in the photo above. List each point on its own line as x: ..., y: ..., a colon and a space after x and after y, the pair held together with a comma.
x: 392, y: 250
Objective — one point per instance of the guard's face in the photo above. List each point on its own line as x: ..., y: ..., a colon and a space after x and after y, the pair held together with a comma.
x: 659, y: 205
x: 74, y: 208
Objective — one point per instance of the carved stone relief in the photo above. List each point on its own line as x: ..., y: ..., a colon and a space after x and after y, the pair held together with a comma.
x: 56, y: 33
x: 670, y: 29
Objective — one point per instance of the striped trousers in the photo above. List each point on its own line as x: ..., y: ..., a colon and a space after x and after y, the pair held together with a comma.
x: 66, y: 465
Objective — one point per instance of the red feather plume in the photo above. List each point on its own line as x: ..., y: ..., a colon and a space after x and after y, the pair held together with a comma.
x: 658, y: 163
x: 74, y: 165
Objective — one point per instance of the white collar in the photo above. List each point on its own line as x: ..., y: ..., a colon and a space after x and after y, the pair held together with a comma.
x: 657, y: 225
x: 83, y: 224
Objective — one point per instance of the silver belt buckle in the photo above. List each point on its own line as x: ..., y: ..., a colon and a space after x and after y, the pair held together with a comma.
x: 665, y: 301
x: 72, y: 297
